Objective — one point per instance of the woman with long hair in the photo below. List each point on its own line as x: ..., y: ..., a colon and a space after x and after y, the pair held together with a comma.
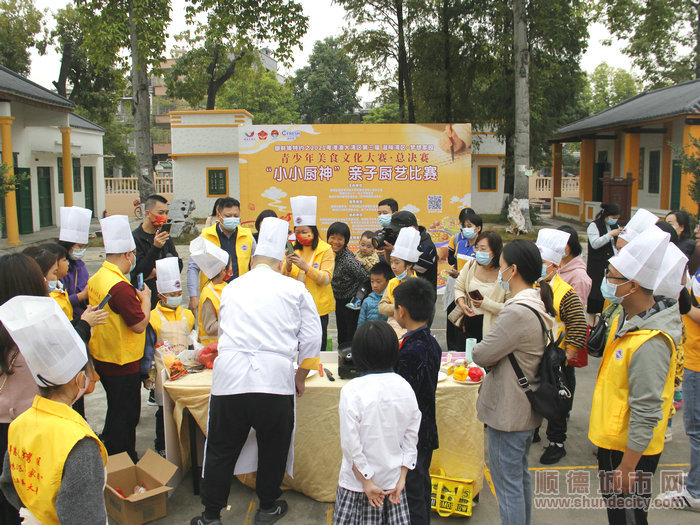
x: 602, y: 234
x: 502, y: 404
x: 680, y: 220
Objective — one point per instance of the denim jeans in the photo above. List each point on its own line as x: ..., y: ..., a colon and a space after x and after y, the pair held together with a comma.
x: 508, y: 463
x: 691, y: 419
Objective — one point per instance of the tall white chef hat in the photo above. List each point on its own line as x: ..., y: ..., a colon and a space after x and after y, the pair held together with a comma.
x: 304, y: 210
x: 272, y: 238
x: 209, y: 257
x: 552, y: 244
x: 168, y: 275
x: 639, y: 222
x: 668, y: 283
x: 75, y: 224
x: 641, y: 259
x: 52, y: 348
x: 406, y: 245
x: 116, y: 234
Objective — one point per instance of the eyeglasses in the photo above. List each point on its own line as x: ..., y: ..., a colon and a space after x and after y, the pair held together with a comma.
x: 608, y: 276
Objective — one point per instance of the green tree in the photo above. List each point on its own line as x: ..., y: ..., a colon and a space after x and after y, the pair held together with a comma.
x: 138, y: 26
x: 690, y: 163
x: 326, y: 89
x: 257, y: 91
x: 662, y: 36
x: 231, y: 30
x: 20, y: 23
x: 610, y: 86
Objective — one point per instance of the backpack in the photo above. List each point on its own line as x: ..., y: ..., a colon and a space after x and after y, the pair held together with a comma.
x: 552, y: 399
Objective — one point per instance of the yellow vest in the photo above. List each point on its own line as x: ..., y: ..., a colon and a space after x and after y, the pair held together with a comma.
x: 393, y: 283
x: 37, y: 460
x: 559, y: 289
x: 61, y: 297
x: 610, y: 412
x: 113, y: 342
x: 244, y: 249
x: 213, y: 293
x: 323, y: 295
x: 692, y: 344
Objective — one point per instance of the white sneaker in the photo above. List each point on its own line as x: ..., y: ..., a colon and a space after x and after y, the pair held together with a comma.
x: 669, y: 435
x: 680, y: 500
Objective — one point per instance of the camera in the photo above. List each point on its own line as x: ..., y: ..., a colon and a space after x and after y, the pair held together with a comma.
x: 383, y: 236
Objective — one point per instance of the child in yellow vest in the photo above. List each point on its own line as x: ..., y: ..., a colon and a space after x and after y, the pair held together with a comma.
x: 169, y: 322
x: 54, y: 465
x: 403, y: 257
x: 216, y: 265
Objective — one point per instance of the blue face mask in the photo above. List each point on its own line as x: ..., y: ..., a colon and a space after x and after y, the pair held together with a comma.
x: 483, y: 258
x: 173, y: 302
x: 133, y: 265
x: 230, y: 223
x: 52, y: 285
x: 608, y: 290
x: 611, y: 222
x: 400, y: 277
x: 504, y: 284
x: 384, y: 219
x: 544, y: 271
x: 468, y: 233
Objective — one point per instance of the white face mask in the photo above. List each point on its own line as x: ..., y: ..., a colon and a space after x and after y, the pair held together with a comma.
x: 77, y: 254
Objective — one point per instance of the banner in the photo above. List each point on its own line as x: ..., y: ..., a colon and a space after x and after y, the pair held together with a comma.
x: 351, y: 167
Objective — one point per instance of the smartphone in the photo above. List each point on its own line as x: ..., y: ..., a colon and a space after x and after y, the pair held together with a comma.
x: 476, y: 295
x: 104, y: 302
x: 290, y: 248
x: 139, y: 281
x: 166, y: 227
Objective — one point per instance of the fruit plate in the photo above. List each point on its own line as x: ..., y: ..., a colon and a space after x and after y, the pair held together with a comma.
x: 441, y: 377
x: 467, y: 381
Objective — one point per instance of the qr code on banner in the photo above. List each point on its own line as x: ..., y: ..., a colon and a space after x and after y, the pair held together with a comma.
x: 435, y: 203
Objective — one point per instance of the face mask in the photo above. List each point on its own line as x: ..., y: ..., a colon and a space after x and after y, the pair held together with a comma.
x: 173, y: 302
x: 159, y: 220
x: 468, y: 233
x: 504, y: 284
x: 384, y: 219
x: 52, y: 285
x: 77, y: 254
x: 305, y: 239
x: 611, y: 222
x: 230, y: 223
x: 81, y: 390
x: 133, y: 265
x: 482, y: 258
x: 609, y: 290
x: 400, y: 277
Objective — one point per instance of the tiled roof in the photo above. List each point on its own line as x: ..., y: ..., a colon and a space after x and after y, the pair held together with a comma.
x: 13, y: 84
x: 76, y: 121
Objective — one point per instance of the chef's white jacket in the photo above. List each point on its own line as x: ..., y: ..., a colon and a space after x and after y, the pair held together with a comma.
x: 265, y: 319
x: 379, y: 421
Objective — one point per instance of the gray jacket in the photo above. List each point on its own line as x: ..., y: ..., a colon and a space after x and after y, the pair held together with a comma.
x: 648, y: 369
x: 502, y: 403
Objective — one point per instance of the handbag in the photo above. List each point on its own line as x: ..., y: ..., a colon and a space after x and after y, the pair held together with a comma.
x: 598, y: 335
x: 456, y: 316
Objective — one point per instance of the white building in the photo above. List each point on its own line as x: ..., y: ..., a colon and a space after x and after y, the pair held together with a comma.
x: 39, y: 133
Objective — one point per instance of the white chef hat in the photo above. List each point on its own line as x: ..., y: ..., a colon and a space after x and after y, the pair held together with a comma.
x: 668, y: 283
x: 168, y: 275
x: 639, y: 222
x: 209, y: 257
x: 75, y: 224
x: 304, y: 210
x: 641, y: 259
x: 552, y: 244
x: 406, y: 245
x: 52, y: 348
x: 272, y: 238
x: 116, y: 234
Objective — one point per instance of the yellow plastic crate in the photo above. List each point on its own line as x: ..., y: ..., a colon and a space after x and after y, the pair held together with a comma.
x: 451, y: 496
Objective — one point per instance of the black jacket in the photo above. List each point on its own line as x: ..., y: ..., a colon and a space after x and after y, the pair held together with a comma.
x: 427, y: 265
x: 146, y: 257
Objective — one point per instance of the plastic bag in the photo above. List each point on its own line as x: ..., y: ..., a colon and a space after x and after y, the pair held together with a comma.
x: 207, y: 354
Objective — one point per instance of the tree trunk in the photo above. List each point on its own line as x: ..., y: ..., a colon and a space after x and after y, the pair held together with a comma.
x: 216, y: 83
x: 141, y: 110
x: 697, y: 39
x: 521, y: 147
x: 445, y: 26
x: 402, y: 60
x: 66, y: 59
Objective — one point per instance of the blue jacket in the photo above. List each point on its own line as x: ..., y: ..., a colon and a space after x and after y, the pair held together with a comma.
x: 370, y: 309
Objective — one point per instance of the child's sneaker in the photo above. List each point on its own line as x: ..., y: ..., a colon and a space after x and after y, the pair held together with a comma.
x: 355, y: 304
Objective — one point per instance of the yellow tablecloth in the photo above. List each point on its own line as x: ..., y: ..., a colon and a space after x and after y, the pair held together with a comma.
x: 317, y: 453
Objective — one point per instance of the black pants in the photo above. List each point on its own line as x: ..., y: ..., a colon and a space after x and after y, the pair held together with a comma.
x: 618, y: 512
x: 455, y: 336
x: 159, y: 442
x: 230, y: 421
x: 123, y: 413
x: 556, y: 428
x: 324, y: 331
x: 346, y: 320
x: 8, y: 514
x: 418, y: 489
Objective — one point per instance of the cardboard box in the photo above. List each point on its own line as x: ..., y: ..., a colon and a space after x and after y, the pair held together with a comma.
x: 153, y: 472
